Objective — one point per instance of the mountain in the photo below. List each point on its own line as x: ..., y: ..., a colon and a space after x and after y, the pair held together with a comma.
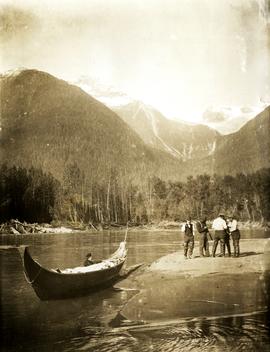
x: 103, y: 169
x: 51, y: 124
x: 183, y: 141
x: 108, y: 95
x: 246, y: 150
x: 201, y: 148
x: 224, y: 119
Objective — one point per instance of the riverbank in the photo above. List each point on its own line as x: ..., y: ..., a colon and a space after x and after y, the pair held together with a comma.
x: 176, y: 226
x: 175, y: 288
x: 17, y: 227
x: 252, y: 259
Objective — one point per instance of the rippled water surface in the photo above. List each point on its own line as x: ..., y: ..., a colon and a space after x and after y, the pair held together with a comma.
x: 95, y: 322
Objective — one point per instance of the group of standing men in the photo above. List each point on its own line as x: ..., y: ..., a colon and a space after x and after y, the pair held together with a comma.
x: 223, y: 231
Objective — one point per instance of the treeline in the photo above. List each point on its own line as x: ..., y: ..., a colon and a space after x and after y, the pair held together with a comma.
x: 34, y: 196
x: 27, y: 195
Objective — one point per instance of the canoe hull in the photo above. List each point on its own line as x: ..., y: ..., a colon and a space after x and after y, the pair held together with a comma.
x: 49, y: 284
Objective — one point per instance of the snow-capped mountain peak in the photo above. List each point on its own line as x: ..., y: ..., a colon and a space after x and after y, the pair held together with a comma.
x: 107, y: 94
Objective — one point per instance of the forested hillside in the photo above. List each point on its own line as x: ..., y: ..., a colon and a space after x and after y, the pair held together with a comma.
x: 202, y: 149
x: 50, y: 124
x: 247, y: 150
x: 66, y: 156
x: 35, y: 196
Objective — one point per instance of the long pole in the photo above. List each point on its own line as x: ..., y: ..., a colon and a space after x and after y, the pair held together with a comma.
x: 125, y: 240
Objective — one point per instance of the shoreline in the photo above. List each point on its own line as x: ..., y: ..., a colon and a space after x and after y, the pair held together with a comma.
x: 252, y: 259
x: 201, y: 287
x: 17, y: 227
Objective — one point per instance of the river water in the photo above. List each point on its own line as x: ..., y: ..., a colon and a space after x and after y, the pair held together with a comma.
x: 95, y: 322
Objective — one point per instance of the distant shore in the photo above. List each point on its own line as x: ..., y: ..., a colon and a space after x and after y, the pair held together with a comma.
x: 18, y: 227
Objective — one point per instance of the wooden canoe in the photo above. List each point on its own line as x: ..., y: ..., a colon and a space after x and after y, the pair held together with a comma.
x: 49, y: 284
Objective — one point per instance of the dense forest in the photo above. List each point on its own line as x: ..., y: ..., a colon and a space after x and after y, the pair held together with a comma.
x: 34, y: 196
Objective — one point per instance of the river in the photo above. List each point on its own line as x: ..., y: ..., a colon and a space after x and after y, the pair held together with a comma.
x: 94, y: 322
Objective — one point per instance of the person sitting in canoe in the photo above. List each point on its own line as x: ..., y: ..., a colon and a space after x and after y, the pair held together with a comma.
x: 89, y: 261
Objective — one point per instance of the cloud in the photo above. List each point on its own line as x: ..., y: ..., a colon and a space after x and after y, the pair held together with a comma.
x: 246, y: 109
x: 224, y: 114
x: 214, y: 116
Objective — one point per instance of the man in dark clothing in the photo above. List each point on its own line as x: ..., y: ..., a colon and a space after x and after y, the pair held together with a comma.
x: 236, y: 238
x: 187, y: 228
x: 88, y: 260
x: 227, y: 240
x: 203, y: 237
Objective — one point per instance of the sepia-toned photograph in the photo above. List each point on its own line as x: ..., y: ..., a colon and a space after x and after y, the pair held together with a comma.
x: 134, y: 175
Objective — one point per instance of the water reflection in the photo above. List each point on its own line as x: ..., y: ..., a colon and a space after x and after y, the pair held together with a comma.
x: 225, y: 334
x: 238, y: 333
x: 220, y: 294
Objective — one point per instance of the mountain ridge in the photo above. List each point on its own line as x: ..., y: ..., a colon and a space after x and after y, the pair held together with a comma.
x: 249, y: 148
x: 223, y: 119
x: 181, y: 140
x: 49, y: 123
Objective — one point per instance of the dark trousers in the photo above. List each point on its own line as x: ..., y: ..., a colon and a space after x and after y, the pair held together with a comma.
x: 188, y: 245
x: 236, y: 237
x: 204, y: 246
x: 227, y: 243
x: 219, y: 236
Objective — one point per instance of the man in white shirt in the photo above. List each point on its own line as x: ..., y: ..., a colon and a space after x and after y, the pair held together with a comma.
x: 235, y: 234
x: 220, y: 226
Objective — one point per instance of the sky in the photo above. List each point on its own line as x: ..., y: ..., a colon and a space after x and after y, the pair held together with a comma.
x: 181, y: 56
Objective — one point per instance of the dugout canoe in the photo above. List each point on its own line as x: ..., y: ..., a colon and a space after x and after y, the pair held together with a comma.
x: 49, y: 284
